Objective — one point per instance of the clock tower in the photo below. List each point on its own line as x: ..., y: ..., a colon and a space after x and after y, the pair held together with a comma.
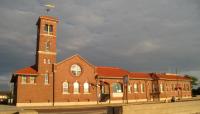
x: 46, y: 44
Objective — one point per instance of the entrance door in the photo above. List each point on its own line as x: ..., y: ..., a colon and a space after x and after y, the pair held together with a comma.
x: 104, y: 92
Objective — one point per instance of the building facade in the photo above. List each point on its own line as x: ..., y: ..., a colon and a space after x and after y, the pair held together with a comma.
x: 75, y: 81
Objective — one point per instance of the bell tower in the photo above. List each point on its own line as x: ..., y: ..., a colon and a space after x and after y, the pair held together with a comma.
x: 46, y: 43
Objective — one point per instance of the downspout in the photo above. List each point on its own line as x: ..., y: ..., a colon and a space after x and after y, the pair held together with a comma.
x: 54, y: 70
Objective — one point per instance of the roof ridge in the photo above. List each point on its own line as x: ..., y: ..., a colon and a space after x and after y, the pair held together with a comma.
x: 114, y: 67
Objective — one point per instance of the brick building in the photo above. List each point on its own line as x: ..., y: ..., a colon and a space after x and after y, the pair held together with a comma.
x: 76, y: 81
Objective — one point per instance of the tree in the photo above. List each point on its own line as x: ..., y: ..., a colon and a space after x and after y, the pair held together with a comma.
x: 194, y: 80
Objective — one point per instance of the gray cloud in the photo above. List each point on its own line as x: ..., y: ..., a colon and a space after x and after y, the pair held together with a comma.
x: 139, y: 35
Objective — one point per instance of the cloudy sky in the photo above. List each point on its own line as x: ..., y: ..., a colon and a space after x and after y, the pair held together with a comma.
x: 138, y: 35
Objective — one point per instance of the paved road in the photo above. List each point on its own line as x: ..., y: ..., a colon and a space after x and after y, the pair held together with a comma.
x: 93, y: 110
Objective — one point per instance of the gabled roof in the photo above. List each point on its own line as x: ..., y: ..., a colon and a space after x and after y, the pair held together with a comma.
x: 27, y: 71
x: 76, y: 55
x: 140, y: 75
x: 111, y: 71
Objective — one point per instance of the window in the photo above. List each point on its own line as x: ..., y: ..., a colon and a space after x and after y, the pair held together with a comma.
x: 32, y: 80
x: 135, y: 88
x: 117, y: 88
x: 49, y: 61
x: 23, y: 79
x: 47, y: 46
x: 46, y: 79
x: 129, y: 88
x: 142, y: 88
x: 45, y: 61
x: 65, y: 87
x: 76, y: 87
x: 86, y: 87
x: 48, y: 28
x: 161, y: 87
x: 76, y: 70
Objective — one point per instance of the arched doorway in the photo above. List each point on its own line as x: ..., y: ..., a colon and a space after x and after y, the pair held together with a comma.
x: 104, y: 91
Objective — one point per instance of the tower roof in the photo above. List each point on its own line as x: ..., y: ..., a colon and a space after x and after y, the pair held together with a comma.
x: 46, y: 17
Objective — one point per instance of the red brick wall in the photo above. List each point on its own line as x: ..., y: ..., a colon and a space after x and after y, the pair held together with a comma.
x: 38, y: 92
x: 63, y: 74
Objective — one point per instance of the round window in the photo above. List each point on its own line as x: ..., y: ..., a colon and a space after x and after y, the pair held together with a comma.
x: 75, y: 69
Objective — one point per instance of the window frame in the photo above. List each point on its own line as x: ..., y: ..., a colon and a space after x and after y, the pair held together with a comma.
x: 46, y: 79
x: 117, y: 87
x: 23, y: 79
x: 76, y: 70
x: 86, y: 87
x: 135, y: 87
x: 45, y: 61
x: 65, y: 87
x: 48, y: 28
x: 48, y: 61
x: 161, y: 87
x: 32, y: 79
x: 142, y: 88
x: 76, y: 90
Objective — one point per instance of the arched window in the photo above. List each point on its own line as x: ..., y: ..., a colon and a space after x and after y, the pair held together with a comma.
x: 161, y: 87
x: 48, y: 61
x: 142, y: 88
x: 117, y: 88
x: 45, y: 61
x: 76, y: 87
x: 135, y: 88
x: 86, y: 87
x: 65, y: 87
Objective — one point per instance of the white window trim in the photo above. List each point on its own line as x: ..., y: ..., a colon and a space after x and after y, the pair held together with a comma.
x: 22, y: 81
x: 45, y: 61
x: 48, y: 29
x: 142, y: 88
x: 32, y: 81
x: 48, y: 61
x: 76, y: 68
x: 46, y: 80
x: 76, y: 88
x: 161, y: 87
x: 67, y: 88
x: 88, y: 89
x: 135, y: 86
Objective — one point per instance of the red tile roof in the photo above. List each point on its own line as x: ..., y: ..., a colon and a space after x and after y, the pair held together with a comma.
x: 171, y: 76
x: 140, y: 75
x: 111, y: 71
x: 118, y: 72
x: 27, y: 70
